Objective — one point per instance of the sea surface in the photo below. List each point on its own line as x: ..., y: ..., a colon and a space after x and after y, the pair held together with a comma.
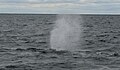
x: 25, y: 44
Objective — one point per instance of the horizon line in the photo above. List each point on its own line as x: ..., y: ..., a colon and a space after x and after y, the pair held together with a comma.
x: 101, y: 14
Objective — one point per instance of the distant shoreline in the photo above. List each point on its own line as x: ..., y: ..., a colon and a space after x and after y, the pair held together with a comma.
x: 57, y: 14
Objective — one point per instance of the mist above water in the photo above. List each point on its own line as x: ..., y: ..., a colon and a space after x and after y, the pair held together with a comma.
x: 66, y: 33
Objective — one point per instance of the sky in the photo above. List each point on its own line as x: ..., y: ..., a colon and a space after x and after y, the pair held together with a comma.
x: 60, y: 6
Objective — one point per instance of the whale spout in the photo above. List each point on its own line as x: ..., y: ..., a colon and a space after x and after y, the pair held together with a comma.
x: 66, y: 33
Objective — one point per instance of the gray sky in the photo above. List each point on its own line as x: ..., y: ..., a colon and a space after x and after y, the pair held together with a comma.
x: 60, y: 6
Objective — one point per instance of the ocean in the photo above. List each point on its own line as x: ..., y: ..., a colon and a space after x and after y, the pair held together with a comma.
x: 25, y: 43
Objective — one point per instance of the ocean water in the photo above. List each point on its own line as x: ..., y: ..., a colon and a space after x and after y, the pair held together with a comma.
x: 25, y: 44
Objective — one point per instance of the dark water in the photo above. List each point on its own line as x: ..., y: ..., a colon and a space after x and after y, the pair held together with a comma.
x: 24, y: 44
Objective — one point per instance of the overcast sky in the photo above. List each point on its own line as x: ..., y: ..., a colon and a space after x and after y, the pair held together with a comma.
x: 60, y: 6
